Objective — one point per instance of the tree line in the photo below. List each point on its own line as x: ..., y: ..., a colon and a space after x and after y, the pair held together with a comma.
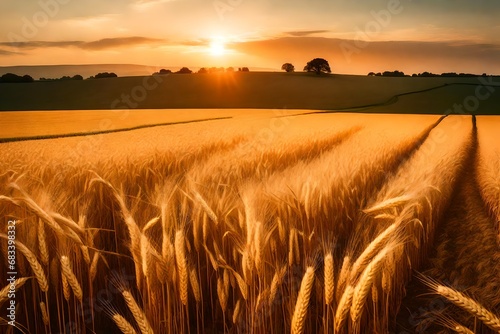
x: 317, y: 65
x: 14, y: 78
x: 203, y: 70
x: 425, y: 74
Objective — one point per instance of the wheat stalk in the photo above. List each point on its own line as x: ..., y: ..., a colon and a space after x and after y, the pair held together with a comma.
x: 462, y: 329
x: 221, y: 293
x: 300, y: 313
x: 195, y: 286
x: 237, y: 311
x: 93, y: 266
x: 137, y: 312
x: 70, y: 277
x: 45, y: 315
x: 389, y: 204
x: 34, y: 264
x: 4, y: 293
x: 364, y: 285
x: 343, y: 276
x: 65, y: 285
x: 329, y: 278
x: 469, y: 305
x: 275, y: 284
x: 182, y: 270
x: 343, y: 308
x: 371, y: 250
x: 205, y: 207
x: 42, y: 243
x: 123, y: 324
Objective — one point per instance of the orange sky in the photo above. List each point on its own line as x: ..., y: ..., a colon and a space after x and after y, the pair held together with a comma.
x: 355, y: 37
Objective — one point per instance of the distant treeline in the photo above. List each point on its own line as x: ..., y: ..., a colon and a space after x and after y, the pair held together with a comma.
x: 203, y: 70
x: 11, y: 77
x: 64, y: 78
x: 425, y: 74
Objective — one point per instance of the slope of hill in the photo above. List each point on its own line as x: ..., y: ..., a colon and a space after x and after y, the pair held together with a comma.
x: 254, y: 90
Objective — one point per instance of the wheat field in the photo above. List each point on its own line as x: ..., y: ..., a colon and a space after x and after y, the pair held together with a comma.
x: 317, y: 223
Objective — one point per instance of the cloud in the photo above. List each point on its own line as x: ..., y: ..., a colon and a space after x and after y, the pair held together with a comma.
x: 350, y: 56
x: 102, y: 44
x: 110, y: 43
x: 145, y: 4
x: 8, y: 53
x: 304, y: 33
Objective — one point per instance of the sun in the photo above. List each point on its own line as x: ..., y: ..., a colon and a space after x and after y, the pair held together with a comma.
x: 217, y: 47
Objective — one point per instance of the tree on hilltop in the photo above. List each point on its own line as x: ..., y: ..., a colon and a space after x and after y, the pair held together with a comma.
x: 288, y: 67
x: 184, y: 70
x: 318, y: 65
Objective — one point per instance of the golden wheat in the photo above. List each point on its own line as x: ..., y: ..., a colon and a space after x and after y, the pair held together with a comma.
x: 70, y: 277
x: 35, y: 265
x: 18, y: 283
x: 329, y: 278
x: 123, y: 324
x: 302, y: 304
x: 469, y: 305
x: 137, y: 312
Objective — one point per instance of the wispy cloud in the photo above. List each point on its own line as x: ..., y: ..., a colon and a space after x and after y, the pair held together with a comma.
x: 8, y: 53
x: 109, y: 43
x: 102, y: 44
x: 146, y: 4
x: 303, y: 33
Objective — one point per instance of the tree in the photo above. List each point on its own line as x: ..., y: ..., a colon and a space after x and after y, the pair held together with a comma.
x: 318, y: 65
x: 393, y: 74
x: 243, y: 69
x: 230, y: 69
x: 11, y: 77
x: 77, y: 77
x: 184, y: 70
x: 105, y: 75
x: 288, y: 67
x: 203, y: 70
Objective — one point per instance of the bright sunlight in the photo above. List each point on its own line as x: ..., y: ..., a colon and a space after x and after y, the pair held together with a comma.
x: 217, y: 47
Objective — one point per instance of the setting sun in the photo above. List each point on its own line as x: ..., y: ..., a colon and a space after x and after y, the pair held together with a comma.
x: 217, y: 47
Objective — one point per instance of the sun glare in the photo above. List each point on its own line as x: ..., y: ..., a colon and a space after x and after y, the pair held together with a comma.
x: 217, y: 47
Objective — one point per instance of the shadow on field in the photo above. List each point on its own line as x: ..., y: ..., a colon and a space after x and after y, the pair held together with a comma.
x: 83, y: 134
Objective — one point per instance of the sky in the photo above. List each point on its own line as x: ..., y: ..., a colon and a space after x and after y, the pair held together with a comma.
x: 355, y: 36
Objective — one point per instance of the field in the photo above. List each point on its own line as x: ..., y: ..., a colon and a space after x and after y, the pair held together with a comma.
x: 263, y: 90
x: 269, y: 221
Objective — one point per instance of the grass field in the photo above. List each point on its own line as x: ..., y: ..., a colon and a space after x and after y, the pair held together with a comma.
x: 262, y: 221
x: 255, y: 90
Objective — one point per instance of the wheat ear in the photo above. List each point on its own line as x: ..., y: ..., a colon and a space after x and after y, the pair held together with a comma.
x: 329, y: 278
x: 195, y: 286
x: 275, y: 284
x: 70, y: 277
x: 300, y: 313
x: 470, y: 305
x: 180, y: 259
x: 123, y: 324
x: 371, y: 250
x: 42, y: 243
x: 343, y: 308
x: 35, y: 265
x: 137, y: 312
x: 364, y: 285
x: 4, y: 293
x: 343, y: 276
x: 45, y: 315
